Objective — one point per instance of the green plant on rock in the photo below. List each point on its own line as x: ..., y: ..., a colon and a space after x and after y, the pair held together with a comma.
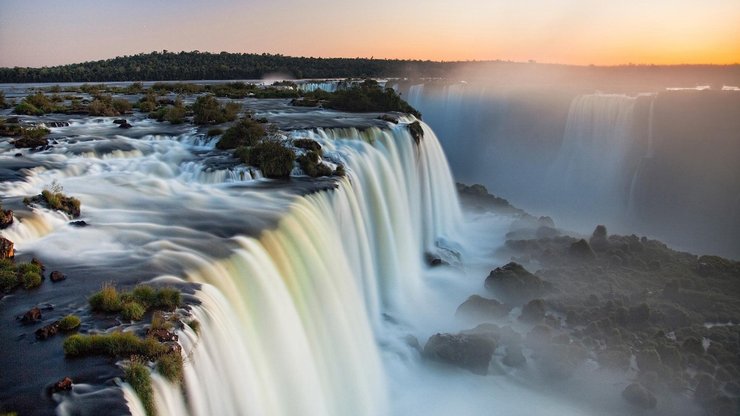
x: 271, y: 157
x: 69, y: 323
x: 132, y: 311
x: 310, y: 164
x: 107, y: 300
x: 117, y: 344
x: 29, y: 275
x: 137, y: 375
x: 246, y: 132
x: 170, y: 366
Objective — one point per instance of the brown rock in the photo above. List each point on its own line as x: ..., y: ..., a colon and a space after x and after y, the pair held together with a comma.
x: 162, y: 335
x: 57, y: 276
x: 6, y: 218
x: 480, y: 308
x: 6, y: 249
x: 48, y: 331
x: 33, y: 315
x: 64, y: 384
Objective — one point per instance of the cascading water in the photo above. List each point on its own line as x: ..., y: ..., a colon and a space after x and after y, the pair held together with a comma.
x: 288, y: 319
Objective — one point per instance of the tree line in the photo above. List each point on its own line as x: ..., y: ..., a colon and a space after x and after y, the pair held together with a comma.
x: 170, y: 66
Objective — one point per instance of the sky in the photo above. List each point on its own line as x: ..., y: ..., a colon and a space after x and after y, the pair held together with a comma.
x: 600, y: 32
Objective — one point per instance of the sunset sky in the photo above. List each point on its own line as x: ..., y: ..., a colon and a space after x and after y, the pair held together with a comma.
x: 46, y: 32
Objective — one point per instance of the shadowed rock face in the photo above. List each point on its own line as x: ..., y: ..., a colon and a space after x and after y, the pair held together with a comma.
x: 481, y: 309
x: 639, y: 396
x: 468, y: 351
x: 513, y: 284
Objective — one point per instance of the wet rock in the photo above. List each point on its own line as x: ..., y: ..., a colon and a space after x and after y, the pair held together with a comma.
x: 638, y: 396
x: 31, y: 142
x: 125, y: 125
x: 6, y: 218
x: 514, y: 357
x: 533, y: 312
x: 599, y: 241
x: 514, y: 284
x: 471, y: 352
x: 31, y: 316
x: 57, y: 276
x: 413, y: 342
x: 64, y: 384
x: 18, y: 155
x: 6, y: 249
x: 120, y: 121
x: 55, y: 124
x: 433, y: 260
x: 478, y: 307
x: 581, y: 250
x: 47, y: 331
x: 162, y: 335
x: 78, y: 223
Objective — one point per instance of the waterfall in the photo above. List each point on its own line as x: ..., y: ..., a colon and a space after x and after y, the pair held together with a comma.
x: 289, y: 319
x: 589, y: 170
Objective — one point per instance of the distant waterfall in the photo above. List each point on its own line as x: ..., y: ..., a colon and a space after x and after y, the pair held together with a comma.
x: 288, y: 319
x: 589, y: 171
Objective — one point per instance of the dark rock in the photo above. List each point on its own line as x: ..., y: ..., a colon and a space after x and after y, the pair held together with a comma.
x: 546, y: 222
x: 693, y: 345
x: 413, y: 342
x: 514, y: 357
x: 18, y: 155
x: 7, y: 250
x: 514, y: 284
x: 162, y: 335
x: 125, y: 125
x: 533, y: 312
x: 480, y: 308
x: 120, y: 121
x: 57, y: 276
x: 433, y: 260
x: 56, y: 124
x: 417, y: 132
x: 79, y: 223
x: 33, y: 315
x: 581, y: 250
x: 637, y: 395
x: 48, y: 331
x: 599, y: 240
x: 31, y: 142
x: 546, y: 232
x: 389, y: 118
x: 6, y: 218
x: 64, y: 384
x: 471, y: 352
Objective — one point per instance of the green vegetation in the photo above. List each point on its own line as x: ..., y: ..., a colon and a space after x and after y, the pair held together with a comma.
x: 247, y: 132
x: 271, y: 157
x: 105, y: 105
x: 25, y: 275
x: 117, y: 344
x: 54, y: 199
x: 207, y: 110
x: 310, y: 164
x: 170, y: 66
x: 308, y: 144
x: 214, y: 132
x: 3, y: 104
x: 137, y: 375
x: 170, y: 366
x: 35, y: 105
x: 69, y: 323
x: 194, y: 325
x: 133, y: 305
x: 369, y: 96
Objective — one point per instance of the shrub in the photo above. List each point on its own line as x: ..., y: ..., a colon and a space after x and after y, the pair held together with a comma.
x: 145, y: 295
x: 148, y: 103
x: 308, y: 144
x: 246, y: 132
x: 369, y: 96
x: 168, y: 298
x: 8, y: 275
x: 107, y: 300
x: 29, y: 275
x: 310, y: 165
x: 175, y: 114
x: 27, y: 109
x: 272, y: 158
x: 214, y: 132
x: 137, y: 375
x: 121, y: 106
x: 102, y: 106
x: 170, y: 366
x: 69, y: 323
x: 117, y: 344
x: 3, y: 104
x: 61, y: 202
x: 194, y: 325
x: 206, y: 110
x: 132, y: 311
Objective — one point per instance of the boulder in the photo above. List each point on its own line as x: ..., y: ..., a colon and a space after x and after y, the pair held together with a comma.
x: 514, y: 357
x: 480, y: 308
x: 638, y: 396
x: 599, y: 241
x: 64, y: 384
x: 120, y: 121
x: 54, y: 124
x: 533, y: 312
x: 512, y: 283
x: 31, y: 142
x: 6, y: 249
x: 125, y: 125
x: 79, y: 223
x: 581, y: 250
x: 47, y: 331
x: 31, y: 316
x: 57, y: 276
x: 162, y: 335
x: 471, y: 352
x: 6, y: 218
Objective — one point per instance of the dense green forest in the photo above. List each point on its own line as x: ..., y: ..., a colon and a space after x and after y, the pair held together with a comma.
x: 168, y: 66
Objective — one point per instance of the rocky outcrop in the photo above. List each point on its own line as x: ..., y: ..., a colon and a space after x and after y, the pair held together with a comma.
x: 47, y: 331
x: 598, y: 240
x: 638, y: 396
x: 162, y: 335
x: 6, y: 249
x: 482, y: 309
x: 57, y: 276
x: 513, y: 284
x: 533, y: 312
x: 581, y: 250
x: 31, y: 316
x: 64, y: 384
x: 31, y: 142
x: 6, y: 218
x: 514, y: 357
x: 468, y: 351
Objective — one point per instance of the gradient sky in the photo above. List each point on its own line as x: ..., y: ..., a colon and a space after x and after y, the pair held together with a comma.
x: 52, y: 32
